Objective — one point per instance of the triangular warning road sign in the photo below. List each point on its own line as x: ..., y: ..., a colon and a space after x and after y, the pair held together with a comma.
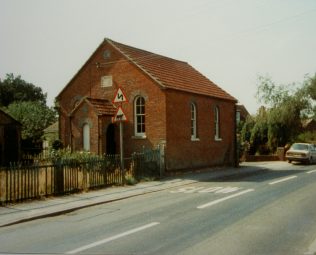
x: 120, y: 115
x: 119, y: 96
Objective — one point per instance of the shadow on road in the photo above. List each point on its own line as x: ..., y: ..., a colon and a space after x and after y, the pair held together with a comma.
x: 257, y: 175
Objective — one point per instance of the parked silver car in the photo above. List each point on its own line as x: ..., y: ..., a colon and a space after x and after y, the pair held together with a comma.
x: 302, y: 152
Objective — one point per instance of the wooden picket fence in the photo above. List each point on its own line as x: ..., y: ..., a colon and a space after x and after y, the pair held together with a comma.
x: 28, y: 181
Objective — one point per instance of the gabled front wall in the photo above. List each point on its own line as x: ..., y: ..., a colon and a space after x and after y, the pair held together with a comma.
x: 184, y: 153
x: 133, y: 81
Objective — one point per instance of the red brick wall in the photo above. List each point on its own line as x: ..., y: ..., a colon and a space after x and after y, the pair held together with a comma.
x: 85, y: 114
x: 133, y: 82
x: 181, y: 151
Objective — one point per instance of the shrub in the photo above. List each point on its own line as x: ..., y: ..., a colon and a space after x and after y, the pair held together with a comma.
x: 129, y: 179
x: 307, y: 137
x: 57, y: 145
x: 66, y: 155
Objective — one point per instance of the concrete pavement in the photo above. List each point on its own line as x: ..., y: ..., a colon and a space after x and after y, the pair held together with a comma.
x: 30, y: 210
x: 36, y: 209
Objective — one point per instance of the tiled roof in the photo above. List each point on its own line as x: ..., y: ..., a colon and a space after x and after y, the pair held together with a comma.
x: 52, y: 128
x: 103, y: 107
x: 171, y: 73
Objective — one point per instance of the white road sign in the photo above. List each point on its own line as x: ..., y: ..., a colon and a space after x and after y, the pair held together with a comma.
x: 119, y: 96
x: 120, y: 115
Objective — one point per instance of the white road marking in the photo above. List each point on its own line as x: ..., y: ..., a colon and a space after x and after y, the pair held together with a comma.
x: 107, y: 240
x: 209, y: 190
x: 224, y: 199
x: 193, y: 189
x: 312, y: 171
x: 181, y: 190
x: 217, y: 190
x: 227, y: 190
x: 283, y: 180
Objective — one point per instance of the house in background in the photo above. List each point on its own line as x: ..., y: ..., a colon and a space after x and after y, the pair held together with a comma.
x: 51, y: 134
x: 170, y: 104
x: 241, y: 113
x: 309, y: 125
x: 10, y: 139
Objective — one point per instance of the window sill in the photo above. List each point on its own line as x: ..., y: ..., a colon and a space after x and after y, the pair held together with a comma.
x: 139, y: 137
x: 217, y: 139
x: 195, y: 139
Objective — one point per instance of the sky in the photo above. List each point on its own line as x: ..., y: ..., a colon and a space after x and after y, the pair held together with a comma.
x: 231, y: 42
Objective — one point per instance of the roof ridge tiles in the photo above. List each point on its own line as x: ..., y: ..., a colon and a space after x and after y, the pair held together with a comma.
x: 171, y: 73
x: 143, y: 51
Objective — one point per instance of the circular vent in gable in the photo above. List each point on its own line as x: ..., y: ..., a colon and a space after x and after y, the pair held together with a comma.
x: 107, y: 54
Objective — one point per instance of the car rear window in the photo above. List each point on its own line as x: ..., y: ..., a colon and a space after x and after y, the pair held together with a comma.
x: 298, y: 146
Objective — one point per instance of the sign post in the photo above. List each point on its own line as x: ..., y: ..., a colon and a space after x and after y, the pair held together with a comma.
x: 120, y: 117
x: 121, y: 146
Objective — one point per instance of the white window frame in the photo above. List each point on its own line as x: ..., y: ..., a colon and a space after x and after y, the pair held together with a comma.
x: 140, y: 116
x: 217, y: 123
x: 237, y: 117
x: 86, y: 137
x: 193, y: 112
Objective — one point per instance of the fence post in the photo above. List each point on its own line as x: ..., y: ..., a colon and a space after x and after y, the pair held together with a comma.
x: 3, y: 185
x: 59, y: 177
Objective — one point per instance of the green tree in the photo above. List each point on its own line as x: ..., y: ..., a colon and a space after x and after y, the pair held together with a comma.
x: 34, y: 117
x: 311, y: 86
x: 248, y: 125
x: 14, y: 89
x: 310, y: 90
x: 287, y: 105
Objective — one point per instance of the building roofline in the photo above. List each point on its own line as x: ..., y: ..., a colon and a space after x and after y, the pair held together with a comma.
x: 10, y: 117
x: 228, y: 97
x: 133, y: 61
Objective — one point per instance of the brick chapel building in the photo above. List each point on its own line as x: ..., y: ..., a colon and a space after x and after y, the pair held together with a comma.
x: 169, y: 104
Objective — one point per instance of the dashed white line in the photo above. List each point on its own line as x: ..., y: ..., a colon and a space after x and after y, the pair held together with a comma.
x: 224, y: 199
x: 283, y: 180
x: 312, y: 171
x: 202, y: 190
x: 107, y: 240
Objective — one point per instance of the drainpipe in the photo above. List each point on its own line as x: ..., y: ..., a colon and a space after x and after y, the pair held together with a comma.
x: 236, y: 154
x: 70, y: 131
x: 99, y: 136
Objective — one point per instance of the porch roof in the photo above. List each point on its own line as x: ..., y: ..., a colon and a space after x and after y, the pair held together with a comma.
x: 100, y: 106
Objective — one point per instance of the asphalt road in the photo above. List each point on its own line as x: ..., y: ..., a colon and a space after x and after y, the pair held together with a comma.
x: 271, y: 211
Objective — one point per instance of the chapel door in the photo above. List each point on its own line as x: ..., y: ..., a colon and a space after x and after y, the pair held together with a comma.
x: 110, y: 140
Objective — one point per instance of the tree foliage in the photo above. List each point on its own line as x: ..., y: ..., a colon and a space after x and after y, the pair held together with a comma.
x: 280, y: 121
x: 310, y: 87
x: 15, y: 89
x: 310, y: 84
x: 34, y: 117
x: 27, y: 104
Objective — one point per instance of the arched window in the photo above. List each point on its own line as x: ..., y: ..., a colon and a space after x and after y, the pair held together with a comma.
x: 86, y: 137
x: 193, y: 121
x: 217, y: 123
x: 139, y: 115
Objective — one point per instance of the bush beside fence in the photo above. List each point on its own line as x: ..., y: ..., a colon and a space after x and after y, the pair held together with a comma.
x: 20, y: 182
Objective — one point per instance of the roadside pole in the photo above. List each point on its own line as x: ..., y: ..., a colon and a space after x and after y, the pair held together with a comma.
x: 120, y: 117
x: 121, y: 146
